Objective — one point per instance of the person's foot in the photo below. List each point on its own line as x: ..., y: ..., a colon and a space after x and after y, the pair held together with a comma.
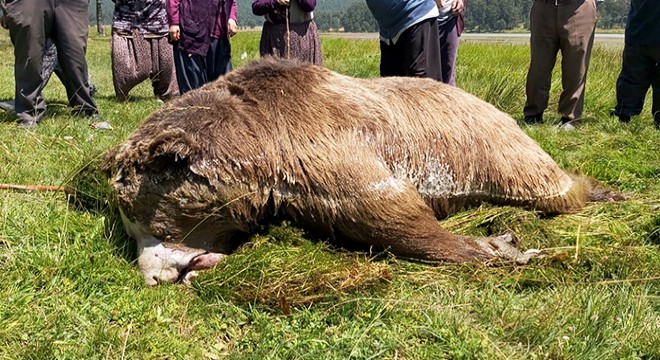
x: 8, y: 105
x: 533, y: 119
x: 566, y: 124
x: 27, y: 124
x: 85, y: 112
x: 622, y: 118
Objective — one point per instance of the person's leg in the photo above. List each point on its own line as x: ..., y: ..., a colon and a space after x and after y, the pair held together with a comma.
x: 218, y: 59
x: 49, y: 63
x: 448, y: 50
x: 313, y: 42
x: 577, y: 37
x: 190, y: 70
x: 654, y: 52
x: 272, y: 40
x: 130, y: 66
x: 422, y: 50
x: 391, y: 59
x: 70, y: 36
x: 28, y: 35
x: 544, y: 46
x: 633, y: 82
x: 163, y: 75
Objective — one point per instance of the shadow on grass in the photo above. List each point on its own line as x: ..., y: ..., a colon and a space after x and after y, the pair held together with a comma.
x: 131, y: 98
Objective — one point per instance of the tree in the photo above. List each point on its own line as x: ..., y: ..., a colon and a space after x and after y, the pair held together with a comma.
x: 358, y: 18
x: 99, y: 17
x: 480, y: 16
x: 328, y: 20
x: 613, y: 13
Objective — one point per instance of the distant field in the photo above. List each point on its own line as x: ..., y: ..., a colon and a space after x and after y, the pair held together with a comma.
x: 70, y: 287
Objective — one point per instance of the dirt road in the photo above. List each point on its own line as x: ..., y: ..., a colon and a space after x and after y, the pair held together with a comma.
x: 502, y: 38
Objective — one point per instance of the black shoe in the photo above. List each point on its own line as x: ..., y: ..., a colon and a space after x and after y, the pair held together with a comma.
x: 85, y: 112
x: 8, y: 105
x: 622, y: 118
x: 533, y: 119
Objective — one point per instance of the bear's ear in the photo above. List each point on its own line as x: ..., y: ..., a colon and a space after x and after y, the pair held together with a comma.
x: 172, y: 145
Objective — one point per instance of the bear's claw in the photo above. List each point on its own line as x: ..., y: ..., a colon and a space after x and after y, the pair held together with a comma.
x: 503, y: 248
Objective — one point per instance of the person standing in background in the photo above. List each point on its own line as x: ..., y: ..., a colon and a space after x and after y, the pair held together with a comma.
x: 450, y: 26
x: 31, y: 23
x: 289, y: 30
x: 50, y: 66
x: 641, y: 62
x: 200, y: 31
x: 409, y: 44
x: 559, y: 25
x: 140, y: 48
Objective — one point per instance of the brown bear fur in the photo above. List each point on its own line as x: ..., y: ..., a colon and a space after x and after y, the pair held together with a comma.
x: 371, y: 161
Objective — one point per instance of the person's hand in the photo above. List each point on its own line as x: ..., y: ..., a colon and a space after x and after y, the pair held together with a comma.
x: 175, y: 33
x: 458, y: 7
x: 283, y: 2
x: 3, y: 22
x: 232, y: 27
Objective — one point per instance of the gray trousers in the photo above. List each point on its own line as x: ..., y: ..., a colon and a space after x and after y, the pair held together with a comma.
x: 51, y: 65
x: 31, y: 22
x: 568, y: 27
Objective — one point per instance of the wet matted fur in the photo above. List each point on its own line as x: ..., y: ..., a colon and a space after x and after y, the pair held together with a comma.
x: 371, y: 161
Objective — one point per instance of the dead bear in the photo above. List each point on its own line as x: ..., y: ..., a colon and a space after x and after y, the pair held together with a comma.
x: 368, y: 161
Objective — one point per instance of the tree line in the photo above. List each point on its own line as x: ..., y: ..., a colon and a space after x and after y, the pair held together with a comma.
x: 354, y: 16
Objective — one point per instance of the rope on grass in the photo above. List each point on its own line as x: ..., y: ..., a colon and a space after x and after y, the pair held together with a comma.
x: 31, y: 187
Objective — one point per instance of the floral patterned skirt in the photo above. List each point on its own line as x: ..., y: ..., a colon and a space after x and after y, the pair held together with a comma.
x: 302, y: 42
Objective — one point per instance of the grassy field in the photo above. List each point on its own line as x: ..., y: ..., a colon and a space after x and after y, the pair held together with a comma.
x: 70, y: 289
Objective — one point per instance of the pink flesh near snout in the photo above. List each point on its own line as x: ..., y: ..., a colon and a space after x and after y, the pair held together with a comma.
x: 204, y: 261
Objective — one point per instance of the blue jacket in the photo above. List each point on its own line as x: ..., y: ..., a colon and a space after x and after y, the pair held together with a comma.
x: 396, y: 15
x: 643, y: 24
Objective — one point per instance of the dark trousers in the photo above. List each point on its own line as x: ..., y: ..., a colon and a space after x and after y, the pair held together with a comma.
x: 193, y: 71
x: 448, y: 33
x: 50, y: 65
x: 31, y: 22
x: 416, y: 53
x: 640, y: 69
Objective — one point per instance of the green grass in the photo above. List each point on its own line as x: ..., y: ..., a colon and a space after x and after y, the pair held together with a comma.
x: 70, y: 288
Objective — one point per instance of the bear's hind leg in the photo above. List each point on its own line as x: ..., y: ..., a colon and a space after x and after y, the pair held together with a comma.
x: 401, y: 222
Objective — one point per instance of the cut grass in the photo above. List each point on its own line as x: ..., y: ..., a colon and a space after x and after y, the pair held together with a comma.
x: 71, y: 289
